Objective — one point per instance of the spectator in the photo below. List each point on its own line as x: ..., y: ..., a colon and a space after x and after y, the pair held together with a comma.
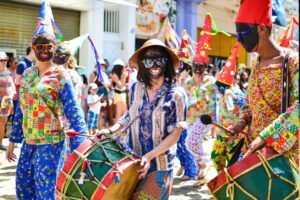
x: 118, y: 77
x: 244, y: 82
x: 102, y: 89
x: 12, y: 67
x: 24, y: 64
x: 6, y: 94
x: 94, y: 103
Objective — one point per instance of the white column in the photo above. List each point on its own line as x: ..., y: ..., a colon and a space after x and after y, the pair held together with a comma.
x: 127, y: 31
x: 91, y: 22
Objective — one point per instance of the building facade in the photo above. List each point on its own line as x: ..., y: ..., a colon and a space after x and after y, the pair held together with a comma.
x: 111, y: 24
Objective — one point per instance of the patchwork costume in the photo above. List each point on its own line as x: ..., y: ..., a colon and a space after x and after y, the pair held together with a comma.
x: 187, y: 160
x: 262, y: 110
x: 38, y: 121
x: 202, y: 100
x: 229, y: 111
x: 227, y: 117
x: 148, y: 131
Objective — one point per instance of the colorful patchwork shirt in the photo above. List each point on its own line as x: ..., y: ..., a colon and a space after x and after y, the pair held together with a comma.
x: 157, y: 122
x: 202, y: 99
x: 262, y: 110
x: 38, y: 118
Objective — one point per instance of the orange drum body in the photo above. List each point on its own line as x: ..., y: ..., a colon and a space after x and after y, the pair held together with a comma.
x: 98, y: 170
x: 264, y: 175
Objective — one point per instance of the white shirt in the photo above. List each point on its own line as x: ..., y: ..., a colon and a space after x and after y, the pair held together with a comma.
x: 92, y: 99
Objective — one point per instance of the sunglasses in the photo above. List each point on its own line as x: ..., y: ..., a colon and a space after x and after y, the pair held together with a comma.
x: 149, y: 62
x: 42, y: 47
x: 240, y: 36
x: 3, y: 60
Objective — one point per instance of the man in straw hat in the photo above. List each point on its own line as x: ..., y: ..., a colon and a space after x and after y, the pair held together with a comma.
x: 271, y: 108
x: 155, y: 119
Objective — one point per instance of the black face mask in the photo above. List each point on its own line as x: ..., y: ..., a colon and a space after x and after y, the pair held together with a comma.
x: 247, y: 36
x: 45, y: 51
x: 198, y: 69
x: 163, y: 69
x: 60, y: 56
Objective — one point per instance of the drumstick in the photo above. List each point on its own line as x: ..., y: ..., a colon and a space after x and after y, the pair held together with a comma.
x: 71, y: 133
x: 206, y: 119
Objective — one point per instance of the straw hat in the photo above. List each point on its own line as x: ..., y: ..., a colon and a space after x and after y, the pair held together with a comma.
x: 133, y: 60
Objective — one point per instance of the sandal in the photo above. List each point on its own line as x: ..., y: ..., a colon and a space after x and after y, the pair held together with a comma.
x: 200, y: 183
x: 3, y: 148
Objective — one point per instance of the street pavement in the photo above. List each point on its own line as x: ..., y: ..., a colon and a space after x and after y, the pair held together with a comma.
x: 182, y: 190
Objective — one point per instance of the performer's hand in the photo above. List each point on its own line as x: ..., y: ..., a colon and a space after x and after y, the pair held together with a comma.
x: 100, y: 135
x: 145, y: 164
x: 10, y: 156
x: 236, y: 129
x: 257, y: 144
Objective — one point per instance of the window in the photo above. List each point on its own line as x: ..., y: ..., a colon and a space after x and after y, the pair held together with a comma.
x: 111, y: 20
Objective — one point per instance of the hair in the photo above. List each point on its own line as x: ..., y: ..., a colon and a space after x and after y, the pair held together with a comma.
x: 28, y: 50
x: 12, y: 59
x: 236, y: 76
x: 72, y: 62
x: 186, y: 67
x: 117, y: 70
x: 242, y: 74
x: 143, y: 75
x: 44, y: 38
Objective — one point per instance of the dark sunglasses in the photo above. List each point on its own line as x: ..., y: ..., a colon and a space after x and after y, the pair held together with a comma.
x: 3, y: 60
x: 42, y: 47
x: 240, y: 36
x: 149, y: 62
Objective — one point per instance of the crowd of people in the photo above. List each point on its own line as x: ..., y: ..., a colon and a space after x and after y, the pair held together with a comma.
x: 159, y: 98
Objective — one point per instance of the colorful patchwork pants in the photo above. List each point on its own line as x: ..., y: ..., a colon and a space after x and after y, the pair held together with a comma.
x: 37, y: 171
x: 155, y: 186
x: 194, y: 141
x: 186, y: 159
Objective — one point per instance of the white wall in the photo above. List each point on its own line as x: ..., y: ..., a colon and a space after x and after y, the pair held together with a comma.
x: 91, y: 21
x: 127, y: 31
x: 224, y: 16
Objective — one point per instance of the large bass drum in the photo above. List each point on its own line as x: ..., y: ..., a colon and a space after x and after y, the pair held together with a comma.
x: 264, y: 175
x: 98, y: 170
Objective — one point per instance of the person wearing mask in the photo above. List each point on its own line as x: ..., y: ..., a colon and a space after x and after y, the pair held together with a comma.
x: 7, y: 91
x: 271, y: 117
x: 154, y: 134
x: 24, y: 64
x: 45, y: 88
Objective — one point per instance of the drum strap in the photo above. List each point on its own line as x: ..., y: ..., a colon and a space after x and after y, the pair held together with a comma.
x: 285, y: 83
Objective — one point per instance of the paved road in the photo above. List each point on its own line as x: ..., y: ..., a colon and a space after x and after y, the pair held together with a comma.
x: 182, y: 190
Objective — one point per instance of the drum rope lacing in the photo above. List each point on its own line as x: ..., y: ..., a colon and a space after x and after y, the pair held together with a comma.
x: 231, y: 181
x: 93, y: 179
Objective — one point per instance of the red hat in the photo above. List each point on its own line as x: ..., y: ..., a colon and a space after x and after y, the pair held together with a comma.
x: 255, y: 12
x: 227, y: 74
x: 184, y: 52
x: 204, y: 42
